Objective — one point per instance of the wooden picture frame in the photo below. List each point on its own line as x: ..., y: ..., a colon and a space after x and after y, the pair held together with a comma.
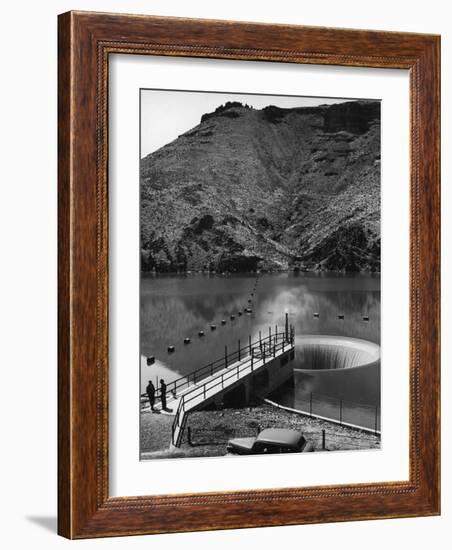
x: 86, y: 40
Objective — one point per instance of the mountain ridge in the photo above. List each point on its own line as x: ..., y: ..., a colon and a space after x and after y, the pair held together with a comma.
x: 272, y: 189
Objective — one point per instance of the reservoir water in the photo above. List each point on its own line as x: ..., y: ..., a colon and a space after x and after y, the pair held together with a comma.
x: 174, y: 307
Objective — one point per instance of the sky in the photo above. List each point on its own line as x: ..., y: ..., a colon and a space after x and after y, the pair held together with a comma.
x: 165, y: 114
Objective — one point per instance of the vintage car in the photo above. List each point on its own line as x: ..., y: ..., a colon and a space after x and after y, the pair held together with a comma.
x: 270, y: 441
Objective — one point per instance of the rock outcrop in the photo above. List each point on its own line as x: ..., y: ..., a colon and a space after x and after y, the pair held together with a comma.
x: 272, y: 189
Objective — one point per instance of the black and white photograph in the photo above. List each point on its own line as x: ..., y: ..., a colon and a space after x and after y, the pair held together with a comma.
x: 260, y: 274
x: 225, y: 233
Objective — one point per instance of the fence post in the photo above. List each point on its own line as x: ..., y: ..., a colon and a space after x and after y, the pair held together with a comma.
x: 340, y: 412
x: 274, y: 346
x: 283, y: 345
x: 310, y: 404
x: 252, y: 359
x: 323, y: 440
x: 260, y: 340
x: 287, y: 326
x: 204, y: 387
x: 222, y: 380
x: 226, y: 356
x: 264, y: 352
x: 270, y: 334
x: 211, y: 369
x: 249, y: 342
x: 239, y: 349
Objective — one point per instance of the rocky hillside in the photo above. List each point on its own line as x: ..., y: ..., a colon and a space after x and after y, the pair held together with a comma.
x: 269, y: 189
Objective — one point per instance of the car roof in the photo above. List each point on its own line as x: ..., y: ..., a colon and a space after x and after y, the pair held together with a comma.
x: 280, y: 436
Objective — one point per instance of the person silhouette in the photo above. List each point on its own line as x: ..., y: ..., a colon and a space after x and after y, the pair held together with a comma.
x: 163, y: 394
x: 150, y: 390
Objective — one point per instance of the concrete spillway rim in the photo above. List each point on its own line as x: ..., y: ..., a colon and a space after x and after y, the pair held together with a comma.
x: 340, y: 341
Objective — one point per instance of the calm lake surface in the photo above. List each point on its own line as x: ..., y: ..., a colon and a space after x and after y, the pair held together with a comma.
x: 174, y: 307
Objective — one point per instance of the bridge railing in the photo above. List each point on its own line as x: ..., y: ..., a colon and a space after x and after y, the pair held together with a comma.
x: 228, y: 358
x: 265, y: 348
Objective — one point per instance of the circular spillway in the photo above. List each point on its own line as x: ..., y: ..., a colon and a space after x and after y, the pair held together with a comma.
x: 328, y: 353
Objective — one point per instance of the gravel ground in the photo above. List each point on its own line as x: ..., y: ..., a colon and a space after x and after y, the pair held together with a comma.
x: 155, y: 433
x: 211, y: 430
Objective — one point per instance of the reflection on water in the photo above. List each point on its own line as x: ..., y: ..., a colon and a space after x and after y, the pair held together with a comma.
x: 174, y: 307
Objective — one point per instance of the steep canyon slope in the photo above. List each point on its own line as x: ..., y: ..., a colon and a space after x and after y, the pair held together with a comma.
x: 274, y: 188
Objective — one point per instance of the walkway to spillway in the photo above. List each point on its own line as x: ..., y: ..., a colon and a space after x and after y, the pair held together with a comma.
x: 208, y: 383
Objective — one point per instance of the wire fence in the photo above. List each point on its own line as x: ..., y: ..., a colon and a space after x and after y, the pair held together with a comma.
x: 339, y: 410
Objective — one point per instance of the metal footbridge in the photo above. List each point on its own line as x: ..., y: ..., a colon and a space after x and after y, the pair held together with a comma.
x: 208, y: 383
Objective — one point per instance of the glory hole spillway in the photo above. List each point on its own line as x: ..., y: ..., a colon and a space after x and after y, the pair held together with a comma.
x: 336, y: 377
x: 318, y: 352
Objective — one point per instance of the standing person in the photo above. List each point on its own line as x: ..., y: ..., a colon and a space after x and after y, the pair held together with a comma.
x: 163, y: 394
x: 150, y: 390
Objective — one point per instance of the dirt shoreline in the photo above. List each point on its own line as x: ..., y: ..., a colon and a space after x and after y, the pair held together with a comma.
x: 211, y: 430
x: 261, y: 272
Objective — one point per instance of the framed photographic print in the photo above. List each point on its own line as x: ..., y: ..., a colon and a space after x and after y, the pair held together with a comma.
x: 248, y: 275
